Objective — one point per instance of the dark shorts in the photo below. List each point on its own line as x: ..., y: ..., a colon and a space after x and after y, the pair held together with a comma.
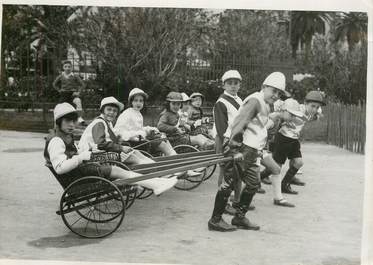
x: 66, y: 96
x: 285, y: 148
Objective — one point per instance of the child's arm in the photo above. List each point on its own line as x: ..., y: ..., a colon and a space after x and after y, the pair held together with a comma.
x: 221, y: 125
x: 57, y: 83
x: 99, y: 137
x: 220, y: 119
x: 248, y: 111
x: 164, y: 125
x: 61, y: 164
x: 80, y: 82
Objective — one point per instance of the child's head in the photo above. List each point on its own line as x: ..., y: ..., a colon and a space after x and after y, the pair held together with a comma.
x: 273, y: 87
x: 313, y: 101
x: 67, y: 66
x: 231, y: 82
x: 197, y: 99
x: 65, y: 117
x: 110, y: 108
x: 136, y: 98
x: 174, y: 101
x: 291, y: 110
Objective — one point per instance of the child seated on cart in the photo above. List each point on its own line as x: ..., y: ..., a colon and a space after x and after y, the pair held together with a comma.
x: 130, y: 127
x: 197, y: 122
x: 100, y: 134
x: 69, y: 163
x: 169, y: 122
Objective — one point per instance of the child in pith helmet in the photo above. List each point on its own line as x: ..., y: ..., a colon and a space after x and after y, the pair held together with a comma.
x: 247, y: 140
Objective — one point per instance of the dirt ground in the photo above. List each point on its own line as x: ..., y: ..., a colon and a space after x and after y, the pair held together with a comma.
x: 324, y: 228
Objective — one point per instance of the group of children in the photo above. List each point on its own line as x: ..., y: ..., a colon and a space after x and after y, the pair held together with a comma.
x: 242, y: 128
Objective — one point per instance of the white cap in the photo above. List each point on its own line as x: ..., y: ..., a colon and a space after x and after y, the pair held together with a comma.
x: 137, y: 91
x: 292, y: 106
x: 277, y: 80
x: 185, y: 97
x: 111, y: 100
x: 231, y: 74
x: 197, y: 94
x: 62, y: 109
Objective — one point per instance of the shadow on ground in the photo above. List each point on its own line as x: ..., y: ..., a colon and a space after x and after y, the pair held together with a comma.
x: 63, y: 241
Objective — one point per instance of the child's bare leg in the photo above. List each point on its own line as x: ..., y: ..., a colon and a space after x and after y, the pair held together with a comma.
x: 196, y: 140
x: 201, y: 140
x: 166, y: 148
x: 137, y: 158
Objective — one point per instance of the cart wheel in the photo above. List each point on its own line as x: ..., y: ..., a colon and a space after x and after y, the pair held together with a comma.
x: 129, y: 195
x: 185, y: 182
x: 129, y: 192
x: 210, y: 170
x: 92, y: 207
x: 145, y: 193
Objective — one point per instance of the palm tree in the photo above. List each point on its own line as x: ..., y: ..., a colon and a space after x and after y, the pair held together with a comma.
x: 304, y: 25
x: 353, y: 27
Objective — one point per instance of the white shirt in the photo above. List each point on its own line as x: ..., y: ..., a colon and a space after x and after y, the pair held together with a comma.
x: 130, y: 124
x: 58, y: 158
x: 255, y: 134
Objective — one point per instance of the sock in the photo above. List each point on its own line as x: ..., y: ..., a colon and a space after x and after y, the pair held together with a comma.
x: 276, y: 187
x: 289, y: 175
x: 265, y: 173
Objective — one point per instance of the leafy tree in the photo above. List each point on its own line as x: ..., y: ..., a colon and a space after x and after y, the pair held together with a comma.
x: 140, y: 46
x: 353, y: 27
x: 304, y: 25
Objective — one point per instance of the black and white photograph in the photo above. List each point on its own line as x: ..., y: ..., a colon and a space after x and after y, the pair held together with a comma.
x: 171, y: 135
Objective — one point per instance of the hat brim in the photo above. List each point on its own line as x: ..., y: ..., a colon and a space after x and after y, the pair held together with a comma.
x: 320, y: 102
x: 231, y: 78
x: 118, y: 104
x: 64, y: 114
x: 296, y: 113
x: 146, y: 96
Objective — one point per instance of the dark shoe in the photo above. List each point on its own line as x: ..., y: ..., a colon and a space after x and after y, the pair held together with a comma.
x: 244, y: 223
x: 283, y: 202
x: 297, y: 181
x: 287, y: 189
x: 229, y: 209
x: 266, y: 181
x: 220, y: 225
x: 261, y: 191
